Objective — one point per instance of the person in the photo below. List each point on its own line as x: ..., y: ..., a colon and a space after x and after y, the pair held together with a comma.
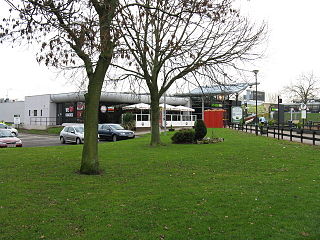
x: 262, y: 120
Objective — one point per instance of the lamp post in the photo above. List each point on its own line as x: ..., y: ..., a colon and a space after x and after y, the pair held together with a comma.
x: 256, y: 122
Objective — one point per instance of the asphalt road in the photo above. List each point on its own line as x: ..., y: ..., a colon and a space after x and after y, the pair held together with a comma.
x: 36, y: 140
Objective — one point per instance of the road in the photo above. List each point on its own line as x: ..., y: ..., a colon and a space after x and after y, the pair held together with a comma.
x: 37, y: 140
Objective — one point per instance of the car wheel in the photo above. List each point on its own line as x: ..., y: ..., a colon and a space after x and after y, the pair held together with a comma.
x: 78, y: 141
x: 114, y: 138
x: 14, y: 133
x: 62, y: 140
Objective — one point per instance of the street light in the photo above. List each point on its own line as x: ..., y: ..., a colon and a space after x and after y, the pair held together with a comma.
x: 256, y: 122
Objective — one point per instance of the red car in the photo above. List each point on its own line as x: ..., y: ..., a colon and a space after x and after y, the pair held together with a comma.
x: 7, y: 139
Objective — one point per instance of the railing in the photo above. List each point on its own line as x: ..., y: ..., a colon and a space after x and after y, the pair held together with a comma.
x: 43, y: 121
x: 142, y: 120
x: 283, y: 132
x: 175, y: 120
x: 178, y: 120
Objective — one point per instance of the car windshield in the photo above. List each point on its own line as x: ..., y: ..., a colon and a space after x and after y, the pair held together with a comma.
x: 5, y: 133
x: 116, y: 127
x: 79, y: 129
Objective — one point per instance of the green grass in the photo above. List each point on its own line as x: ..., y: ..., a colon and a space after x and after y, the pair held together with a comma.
x: 51, y: 130
x: 246, y: 187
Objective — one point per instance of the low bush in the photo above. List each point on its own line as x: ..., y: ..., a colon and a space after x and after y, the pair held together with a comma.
x: 128, y: 121
x: 183, y: 136
x: 200, y: 130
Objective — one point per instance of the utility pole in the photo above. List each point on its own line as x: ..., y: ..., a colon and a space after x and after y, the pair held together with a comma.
x: 256, y: 120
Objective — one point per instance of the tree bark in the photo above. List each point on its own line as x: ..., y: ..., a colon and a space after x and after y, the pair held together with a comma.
x: 90, y: 158
x: 155, y: 114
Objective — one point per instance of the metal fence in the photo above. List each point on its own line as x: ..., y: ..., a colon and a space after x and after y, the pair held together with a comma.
x: 43, y: 121
x: 291, y: 133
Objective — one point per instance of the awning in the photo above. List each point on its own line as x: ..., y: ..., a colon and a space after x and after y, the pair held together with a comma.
x: 169, y: 107
x: 185, y: 109
x: 140, y: 106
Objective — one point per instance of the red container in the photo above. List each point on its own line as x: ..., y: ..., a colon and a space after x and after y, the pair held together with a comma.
x: 214, y: 118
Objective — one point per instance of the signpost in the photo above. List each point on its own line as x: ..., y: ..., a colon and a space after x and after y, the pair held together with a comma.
x: 236, y: 114
x: 303, y: 108
x: 16, y: 120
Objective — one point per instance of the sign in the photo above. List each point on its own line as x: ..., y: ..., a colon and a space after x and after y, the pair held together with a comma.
x: 103, y: 109
x: 303, y: 106
x: 110, y: 109
x: 303, y: 114
x: 80, y: 106
x: 236, y: 114
x: 16, y: 119
x: 217, y: 105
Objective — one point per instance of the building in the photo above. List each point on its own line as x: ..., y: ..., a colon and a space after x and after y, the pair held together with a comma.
x: 41, y: 111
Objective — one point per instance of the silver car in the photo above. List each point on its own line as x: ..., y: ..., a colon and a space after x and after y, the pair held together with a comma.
x: 72, y: 134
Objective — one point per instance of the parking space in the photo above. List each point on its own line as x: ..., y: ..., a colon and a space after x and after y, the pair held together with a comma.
x: 36, y: 140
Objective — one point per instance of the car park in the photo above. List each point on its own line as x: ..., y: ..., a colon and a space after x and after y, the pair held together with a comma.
x: 114, y: 132
x: 72, y: 134
x: 11, y: 129
x: 8, y: 139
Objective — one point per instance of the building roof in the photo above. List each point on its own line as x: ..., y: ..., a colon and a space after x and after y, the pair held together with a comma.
x: 218, y: 89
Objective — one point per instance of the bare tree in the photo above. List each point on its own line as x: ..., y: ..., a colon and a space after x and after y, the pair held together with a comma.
x: 78, y: 34
x: 165, y: 41
x: 273, y: 97
x: 304, y: 89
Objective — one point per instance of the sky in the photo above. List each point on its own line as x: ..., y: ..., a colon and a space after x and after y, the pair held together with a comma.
x: 293, y: 48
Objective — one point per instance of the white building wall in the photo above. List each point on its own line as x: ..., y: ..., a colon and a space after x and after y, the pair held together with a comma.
x: 39, y: 111
x: 9, y: 109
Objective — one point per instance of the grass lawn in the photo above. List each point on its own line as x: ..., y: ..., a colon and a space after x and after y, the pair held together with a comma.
x: 246, y: 187
x: 51, y: 130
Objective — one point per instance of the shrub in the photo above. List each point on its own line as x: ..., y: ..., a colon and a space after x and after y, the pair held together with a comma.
x: 200, y: 130
x: 272, y: 122
x: 128, y: 121
x: 183, y: 136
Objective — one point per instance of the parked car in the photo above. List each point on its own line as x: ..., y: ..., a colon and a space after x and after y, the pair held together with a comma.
x: 13, y: 130
x: 8, y: 139
x: 114, y: 132
x: 72, y: 134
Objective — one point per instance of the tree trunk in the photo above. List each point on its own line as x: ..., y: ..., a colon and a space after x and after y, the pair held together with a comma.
x: 155, y: 114
x: 90, y: 160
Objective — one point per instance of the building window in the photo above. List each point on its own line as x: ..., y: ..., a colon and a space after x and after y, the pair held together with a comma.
x: 41, y: 112
x: 35, y: 113
x: 29, y: 113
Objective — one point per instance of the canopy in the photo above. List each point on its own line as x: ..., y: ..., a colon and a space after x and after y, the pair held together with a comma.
x: 140, y: 106
x: 169, y: 107
x: 185, y: 109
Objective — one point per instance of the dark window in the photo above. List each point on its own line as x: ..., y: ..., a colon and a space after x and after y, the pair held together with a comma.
x: 29, y: 112
x: 35, y: 113
x: 41, y: 113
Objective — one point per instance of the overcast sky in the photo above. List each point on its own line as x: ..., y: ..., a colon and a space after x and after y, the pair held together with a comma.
x: 293, y: 48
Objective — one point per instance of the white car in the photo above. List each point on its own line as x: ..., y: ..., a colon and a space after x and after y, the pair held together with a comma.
x: 12, y: 130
